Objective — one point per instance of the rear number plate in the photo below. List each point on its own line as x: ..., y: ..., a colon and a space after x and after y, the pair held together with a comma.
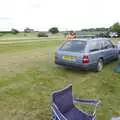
x: 69, y: 58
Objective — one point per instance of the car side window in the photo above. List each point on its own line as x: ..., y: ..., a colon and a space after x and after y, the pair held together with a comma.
x: 95, y: 46
x: 107, y: 44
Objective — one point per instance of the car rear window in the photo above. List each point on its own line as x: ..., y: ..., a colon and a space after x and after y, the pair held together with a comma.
x: 74, y: 46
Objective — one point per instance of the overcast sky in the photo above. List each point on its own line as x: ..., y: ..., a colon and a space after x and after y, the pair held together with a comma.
x: 65, y: 14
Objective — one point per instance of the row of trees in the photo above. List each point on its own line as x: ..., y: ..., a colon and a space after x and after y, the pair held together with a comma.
x: 114, y: 28
x: 113, y: 31
x: 95, y: 29
x: 52, y: 30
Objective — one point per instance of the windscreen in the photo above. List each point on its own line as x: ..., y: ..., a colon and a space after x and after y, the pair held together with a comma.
x: 74, y: 46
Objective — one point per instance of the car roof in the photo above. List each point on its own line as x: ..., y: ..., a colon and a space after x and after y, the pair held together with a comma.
x: 82, y: 39
x: 90, y: 39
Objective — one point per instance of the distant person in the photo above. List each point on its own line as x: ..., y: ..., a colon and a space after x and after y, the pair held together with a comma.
x: 71, y: 35
x: 74, y: 35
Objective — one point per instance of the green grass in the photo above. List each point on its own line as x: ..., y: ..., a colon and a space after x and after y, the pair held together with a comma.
x: 27, y: 36
x: 27, y: 46
x: 27, y: 94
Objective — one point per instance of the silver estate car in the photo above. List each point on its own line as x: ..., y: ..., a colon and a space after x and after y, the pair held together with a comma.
x: 86, y: 53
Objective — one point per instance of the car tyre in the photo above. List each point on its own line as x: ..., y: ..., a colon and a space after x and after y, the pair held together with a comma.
x: 118, y: 56
x: 99, y: 65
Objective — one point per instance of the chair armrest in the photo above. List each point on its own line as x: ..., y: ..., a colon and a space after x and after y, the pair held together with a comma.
x: 57, y: 113
x: 87, y: 101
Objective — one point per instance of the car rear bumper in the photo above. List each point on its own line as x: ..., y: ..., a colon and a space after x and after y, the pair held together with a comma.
x: 75, y: 65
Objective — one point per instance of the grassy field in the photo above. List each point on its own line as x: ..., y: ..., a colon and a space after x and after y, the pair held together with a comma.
x: 28, y: 76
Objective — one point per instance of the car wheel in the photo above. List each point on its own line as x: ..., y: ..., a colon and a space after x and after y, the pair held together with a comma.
x: 99, y: 66
x: 118, y: 56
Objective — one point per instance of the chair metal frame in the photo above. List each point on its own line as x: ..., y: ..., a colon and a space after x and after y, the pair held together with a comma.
x: 57, y: 115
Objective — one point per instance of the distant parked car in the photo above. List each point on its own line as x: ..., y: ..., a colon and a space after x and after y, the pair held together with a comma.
x: 86, y: 54
x: 42, y: 34
x: 113, y: 34
x: 103, y: 35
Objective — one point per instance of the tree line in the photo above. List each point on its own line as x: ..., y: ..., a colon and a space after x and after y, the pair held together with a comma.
x: 114, y: 28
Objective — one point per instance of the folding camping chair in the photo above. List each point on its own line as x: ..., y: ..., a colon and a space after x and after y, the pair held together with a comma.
x: 63, y: 107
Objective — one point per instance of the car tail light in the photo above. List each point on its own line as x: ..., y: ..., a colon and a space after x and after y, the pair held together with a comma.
x: 85, y: 59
